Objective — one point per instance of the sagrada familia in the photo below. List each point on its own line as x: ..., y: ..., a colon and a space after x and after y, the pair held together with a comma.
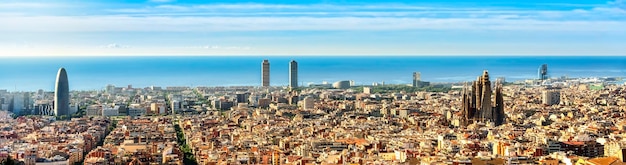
x: 478, y: 104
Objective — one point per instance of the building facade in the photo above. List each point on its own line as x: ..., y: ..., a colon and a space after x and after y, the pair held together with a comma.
x: 308, y: 103
x: 341, y: 85
x: 550, y: 97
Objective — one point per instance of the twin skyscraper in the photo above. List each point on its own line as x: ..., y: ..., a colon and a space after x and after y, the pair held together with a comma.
x: 293, y: 74
x: 62, y: 89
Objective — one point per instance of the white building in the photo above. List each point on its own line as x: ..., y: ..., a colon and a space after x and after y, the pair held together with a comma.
x: 94, y: 110
x: 18, y: 103
x: 158, y: 108
x: 308, y: 103
x: 111, y: 111
x: 550, y: 97
x: 73, y: 109
x: 254, y: 100
x: 341, y: 85
x: 176, y: 105
x: 367, y: 90
x: 136, y: 110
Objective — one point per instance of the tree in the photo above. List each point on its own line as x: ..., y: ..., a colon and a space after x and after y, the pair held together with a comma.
x: 62, y: 117
x: 188, y: 158
x: 8, y: 161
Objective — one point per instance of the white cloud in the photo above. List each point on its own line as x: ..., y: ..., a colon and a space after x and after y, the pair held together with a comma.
x: 614, y: 9
x: 172, y: 8
x: 141, y: 10
x: 161, y: 1
x: 239, y: 19
x: 28, y: 5
x: 620, y: 4
x: 219, y: 47
x: 208, y: 24
x: 254, y: 8
x: 114, y: 46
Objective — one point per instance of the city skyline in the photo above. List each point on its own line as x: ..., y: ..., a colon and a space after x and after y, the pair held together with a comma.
x: 313, y: 82
x: 523, y: 123
x: 32, y: 74
x: 400, y: 27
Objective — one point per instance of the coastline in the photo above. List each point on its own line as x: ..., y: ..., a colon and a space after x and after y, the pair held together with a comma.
x: 93, y: 73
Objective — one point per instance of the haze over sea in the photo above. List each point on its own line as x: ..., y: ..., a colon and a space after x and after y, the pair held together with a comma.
x: 94, y: 73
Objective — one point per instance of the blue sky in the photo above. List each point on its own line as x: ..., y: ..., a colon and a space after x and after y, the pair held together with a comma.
x: 312, y: 27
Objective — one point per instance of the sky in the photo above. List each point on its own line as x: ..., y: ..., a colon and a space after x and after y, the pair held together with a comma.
x: 312, y: 27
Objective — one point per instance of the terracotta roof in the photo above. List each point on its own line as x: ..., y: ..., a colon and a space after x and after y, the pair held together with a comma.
x: 358, y: 141
x: 602, y: 161
x: 574, y: 143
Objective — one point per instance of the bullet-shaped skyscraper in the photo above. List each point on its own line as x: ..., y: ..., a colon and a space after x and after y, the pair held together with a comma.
x: 293, y: 74
x: 265, y: 73
x: 62, y: 94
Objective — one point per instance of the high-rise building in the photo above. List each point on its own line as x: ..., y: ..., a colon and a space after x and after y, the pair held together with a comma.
x: 18, y: 102
x: 242, y: 97
x: 417, y: 80
x: 477, y: 102
x: 265, y: 73
x: 417, y: 77
x: 293, y: 74
x: 550, y: 97
x: 110, y: 89
x: 176, y: 106
x: 62, y: 94
x: 543, y: 72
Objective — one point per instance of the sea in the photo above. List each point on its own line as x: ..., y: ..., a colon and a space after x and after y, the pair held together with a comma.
x: 94, y: 73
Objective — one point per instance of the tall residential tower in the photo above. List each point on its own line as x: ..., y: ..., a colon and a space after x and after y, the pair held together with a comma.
x: 542, y: 72
x: 62, y: 94
x: 293, y: 74
x: 417, y: 80
x: 417, y: 77
x: 265, y: 73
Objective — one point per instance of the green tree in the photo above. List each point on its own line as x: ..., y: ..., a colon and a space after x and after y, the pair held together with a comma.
x: 188, y: 158
x: 8, y: 161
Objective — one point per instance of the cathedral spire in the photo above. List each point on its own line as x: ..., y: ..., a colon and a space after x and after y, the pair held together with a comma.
x: 478, y: 104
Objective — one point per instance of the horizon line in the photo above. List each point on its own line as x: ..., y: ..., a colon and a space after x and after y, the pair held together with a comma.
x: 323, y: 55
